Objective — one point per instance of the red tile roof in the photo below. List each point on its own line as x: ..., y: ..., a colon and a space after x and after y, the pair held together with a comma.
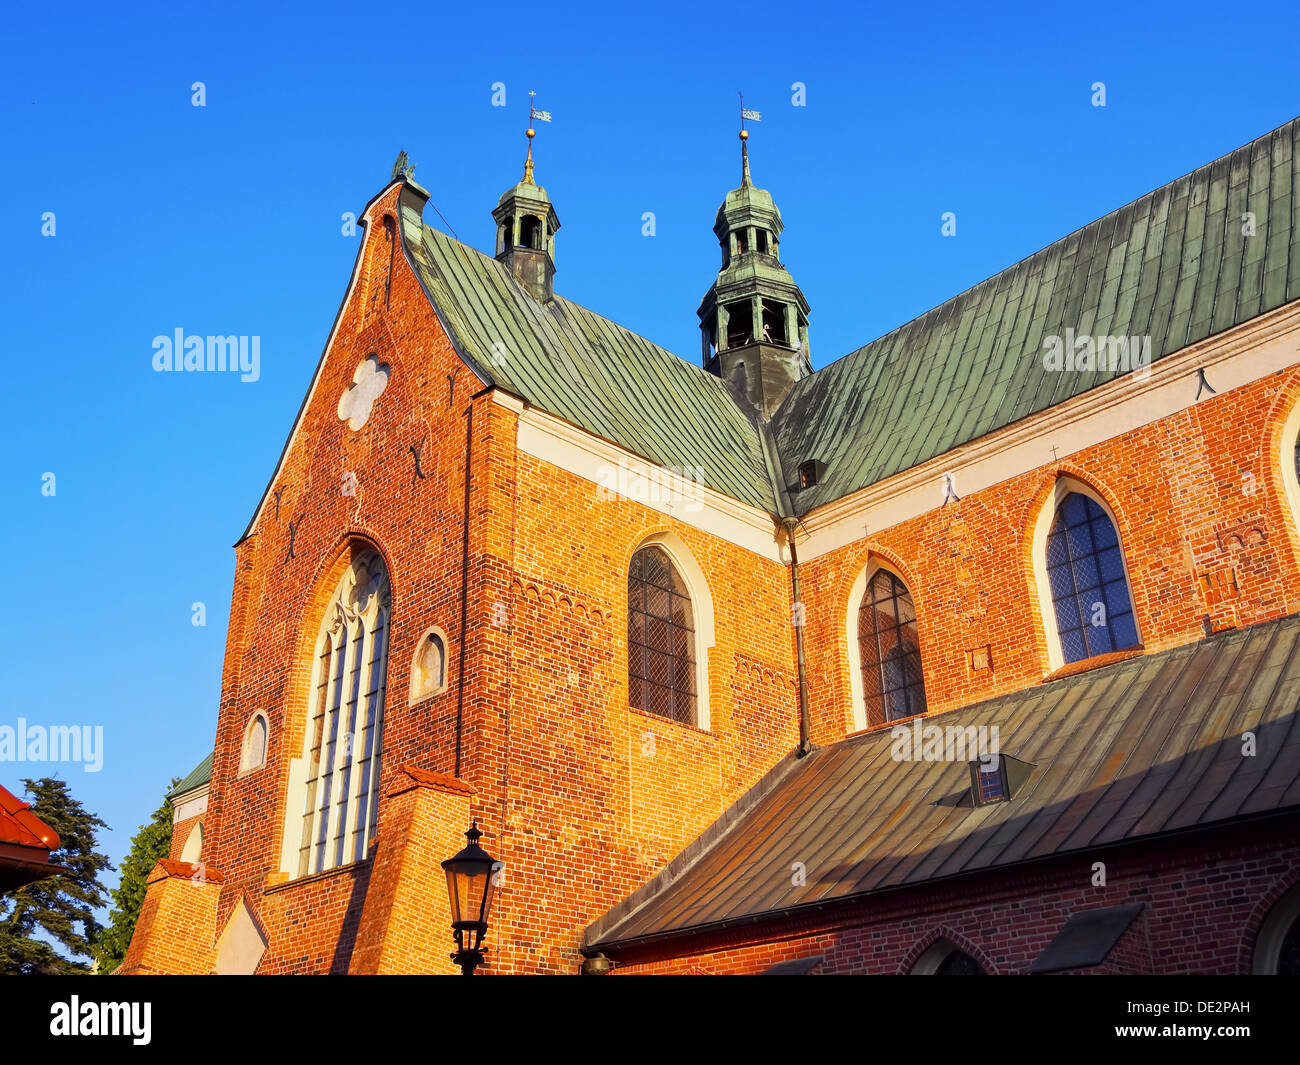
x: 19, y: 825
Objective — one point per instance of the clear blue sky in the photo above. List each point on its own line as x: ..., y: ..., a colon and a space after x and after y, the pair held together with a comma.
x: 226, y: 219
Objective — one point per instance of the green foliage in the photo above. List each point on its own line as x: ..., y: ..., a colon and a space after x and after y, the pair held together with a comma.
x: 59, y: 910
x: 152, y: 842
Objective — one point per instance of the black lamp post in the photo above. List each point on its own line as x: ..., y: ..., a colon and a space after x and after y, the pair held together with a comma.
x: 470, y: 884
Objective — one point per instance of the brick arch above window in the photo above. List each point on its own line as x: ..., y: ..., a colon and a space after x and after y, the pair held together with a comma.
x: 193, y: 849
x: 1271, y: 944
x: 253, y: 748
x: 1287, y: 460
x: 428, y: 666
x: 332, y: 795
x: 1052, y: 530
x: 886, y: 660
x: 945, y: 958
x: 1277, y: 947
x: 696, y: 587
x: 929, y: 953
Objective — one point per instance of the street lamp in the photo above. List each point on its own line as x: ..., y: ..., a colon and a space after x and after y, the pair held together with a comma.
x: 470, y: 883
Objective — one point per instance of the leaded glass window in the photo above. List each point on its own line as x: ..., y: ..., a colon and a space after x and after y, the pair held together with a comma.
x: 660, y: 638
x: 1085, y: 569
x: 892, y: 684
x: 345, y: 730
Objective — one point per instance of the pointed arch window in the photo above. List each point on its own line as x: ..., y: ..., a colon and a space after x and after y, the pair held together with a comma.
x: 890, y: 651
x: 345, y: 729
x: 1277, y: 945
x: 660, y: 638
x: 1085, y: 571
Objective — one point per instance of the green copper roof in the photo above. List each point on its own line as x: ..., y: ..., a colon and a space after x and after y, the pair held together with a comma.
x: 589, y: 371
x: 524, y: 190
x: 1173, y: 265
x: 197, y: 777
x: 745, y: 202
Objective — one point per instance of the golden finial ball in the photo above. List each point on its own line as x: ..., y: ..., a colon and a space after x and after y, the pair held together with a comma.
x: 532, y: 133
x: 744, y: 134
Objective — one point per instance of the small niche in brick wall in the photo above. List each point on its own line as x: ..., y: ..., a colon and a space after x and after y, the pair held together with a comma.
x: 252, y: 754
x: 980, y: 658
x: 429, y: 666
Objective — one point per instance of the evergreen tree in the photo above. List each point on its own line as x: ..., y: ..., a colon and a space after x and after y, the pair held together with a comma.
x: 151, y: 842
x: 59, y: 910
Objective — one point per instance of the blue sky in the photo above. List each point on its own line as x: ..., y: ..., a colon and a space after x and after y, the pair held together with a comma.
x: 226, y: 219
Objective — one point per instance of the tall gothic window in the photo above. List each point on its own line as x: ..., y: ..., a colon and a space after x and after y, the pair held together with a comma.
x: 1085, y: 569
x: 345, y: 730
x: 660, y: 637
x: 892, y: 684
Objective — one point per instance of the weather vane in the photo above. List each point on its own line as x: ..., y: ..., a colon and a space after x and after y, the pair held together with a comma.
x: 540, y: 116
x: 752, y: 116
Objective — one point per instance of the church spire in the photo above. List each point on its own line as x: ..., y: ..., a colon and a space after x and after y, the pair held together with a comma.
x: 527, y: 223
x: 754, y: 318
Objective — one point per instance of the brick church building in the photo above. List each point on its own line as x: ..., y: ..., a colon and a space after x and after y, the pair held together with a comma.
x: 975, y: 651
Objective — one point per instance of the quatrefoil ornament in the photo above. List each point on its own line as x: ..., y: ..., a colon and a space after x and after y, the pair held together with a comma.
x: 368, y: 383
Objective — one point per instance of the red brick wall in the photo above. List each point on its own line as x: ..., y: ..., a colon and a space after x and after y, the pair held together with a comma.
x: 1203, y: 521
x: 278, y: 601
x: 566, y: 776
x: 176, y: 930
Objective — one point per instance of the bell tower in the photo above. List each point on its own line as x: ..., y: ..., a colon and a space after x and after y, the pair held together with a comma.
x: 526, y: 225
x: 754, y: 318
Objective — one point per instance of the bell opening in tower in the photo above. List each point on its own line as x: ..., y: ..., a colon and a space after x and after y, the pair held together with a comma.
x: 530, y: 232
x: 740, y: 324
x: 774, y: 323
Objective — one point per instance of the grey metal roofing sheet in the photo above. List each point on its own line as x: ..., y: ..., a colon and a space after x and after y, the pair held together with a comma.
x: 1132, y: 750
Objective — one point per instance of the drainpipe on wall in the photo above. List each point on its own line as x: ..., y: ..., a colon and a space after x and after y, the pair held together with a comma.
x: 464, y: 584
x: 788, y: 524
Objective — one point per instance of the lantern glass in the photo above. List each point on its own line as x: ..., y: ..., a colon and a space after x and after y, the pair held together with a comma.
x: 470, y: 883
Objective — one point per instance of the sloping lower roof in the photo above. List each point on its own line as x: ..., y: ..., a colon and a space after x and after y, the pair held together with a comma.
x: 1086, y: 938
x: 1173, y: 265
x: 1137, y: 749
x: 198, y: 776
x: 591, y: 372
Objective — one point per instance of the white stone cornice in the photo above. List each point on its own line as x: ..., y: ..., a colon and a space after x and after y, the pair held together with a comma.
x: 1231, y: 360
x: 190, y: 804
x: 629, y: 476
